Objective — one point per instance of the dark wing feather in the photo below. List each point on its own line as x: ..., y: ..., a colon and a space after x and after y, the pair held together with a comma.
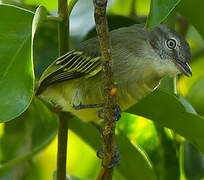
x: 72, y: 65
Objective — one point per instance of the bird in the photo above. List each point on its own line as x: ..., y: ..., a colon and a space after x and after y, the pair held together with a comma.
x: 140, y: 59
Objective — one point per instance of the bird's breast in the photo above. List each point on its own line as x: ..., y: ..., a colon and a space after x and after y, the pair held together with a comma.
x: 134, y: 89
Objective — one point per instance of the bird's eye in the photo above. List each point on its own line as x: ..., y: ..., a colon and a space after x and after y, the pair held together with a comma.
x: 171, y: 43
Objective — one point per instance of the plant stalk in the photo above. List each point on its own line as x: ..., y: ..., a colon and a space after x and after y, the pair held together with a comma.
x: 63, y: 39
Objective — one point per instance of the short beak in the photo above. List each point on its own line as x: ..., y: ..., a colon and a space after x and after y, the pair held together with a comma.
x: 184, y: 67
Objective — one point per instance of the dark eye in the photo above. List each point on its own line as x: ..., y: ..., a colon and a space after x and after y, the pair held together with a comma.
x: 171, y: 43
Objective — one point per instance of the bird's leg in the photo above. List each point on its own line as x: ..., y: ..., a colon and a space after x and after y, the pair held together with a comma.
x: 115, y: 161
x: 98, y: 127
x: 87, y: 106
x: 115, y: 117
x: 116, y: 112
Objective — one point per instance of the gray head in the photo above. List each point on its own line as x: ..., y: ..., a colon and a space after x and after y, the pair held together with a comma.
x: 169, y: 45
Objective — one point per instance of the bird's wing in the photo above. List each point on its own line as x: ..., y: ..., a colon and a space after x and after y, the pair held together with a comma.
x: 72, y: 65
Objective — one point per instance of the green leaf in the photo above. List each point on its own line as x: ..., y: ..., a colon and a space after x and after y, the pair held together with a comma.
x: 16, y: 69
x: 133, y: 159
x: 27, y: 135
x: 155, y: 141
x: 134, y: 163
x: 38, y: 20
x: 192, y: 11
x: 193, y: 162
x: 188, y: 106
x: 45, y: 49
x: 167, y: 111
x: 159, y: 10
x: 196, y: 96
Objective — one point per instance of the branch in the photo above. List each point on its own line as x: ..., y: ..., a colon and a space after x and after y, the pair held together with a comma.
x: 109, y: 102
x: 62, y: 145
x: 63, y: 38
x: 63, y: 29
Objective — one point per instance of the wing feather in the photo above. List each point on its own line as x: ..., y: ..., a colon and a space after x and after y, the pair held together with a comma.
x: 72, y: 65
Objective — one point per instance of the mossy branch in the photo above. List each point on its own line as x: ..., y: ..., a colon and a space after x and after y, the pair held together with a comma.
x: 109, y: 102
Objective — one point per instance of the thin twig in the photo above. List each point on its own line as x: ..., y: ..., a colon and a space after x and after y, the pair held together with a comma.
x: 109, y: 102
x: 63, y: 36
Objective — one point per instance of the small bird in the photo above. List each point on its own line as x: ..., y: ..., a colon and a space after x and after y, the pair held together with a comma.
x: 140, y: 59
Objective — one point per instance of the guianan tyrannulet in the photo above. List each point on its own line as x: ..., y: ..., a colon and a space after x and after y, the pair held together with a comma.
x: 141, y: 58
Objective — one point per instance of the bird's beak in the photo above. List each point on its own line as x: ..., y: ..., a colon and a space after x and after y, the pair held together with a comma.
x: 184, y: 67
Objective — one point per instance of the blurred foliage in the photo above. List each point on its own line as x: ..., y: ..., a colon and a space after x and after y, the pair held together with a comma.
x: 148, y: 150
x: 23, y: 137
x: 159, y: 11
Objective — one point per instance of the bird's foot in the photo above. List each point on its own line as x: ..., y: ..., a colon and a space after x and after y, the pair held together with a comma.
x: 115, y: 161
x: 116, y: 113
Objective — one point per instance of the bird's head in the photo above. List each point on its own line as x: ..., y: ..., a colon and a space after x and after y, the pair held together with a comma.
x: 171, y: 48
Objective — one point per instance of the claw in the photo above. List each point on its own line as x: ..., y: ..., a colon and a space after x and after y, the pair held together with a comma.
x: 117, y: 113
x: 115, y: 161
x: 98, y: 127
x: 78, y: 107
x: 100, y: 153
x: 100, y: 112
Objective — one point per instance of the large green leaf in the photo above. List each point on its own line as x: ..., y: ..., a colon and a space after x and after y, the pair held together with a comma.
x: 38, y: 20
x: 192, y: 11
x: 168, y: 111
x: 193, y: 162
x: 16, y: 69
x: 159, y: 10
x: 45, y: 49
x: 134, y: 163
x: 196, y: 95
x: 156, y: 143
x: 26, y: 135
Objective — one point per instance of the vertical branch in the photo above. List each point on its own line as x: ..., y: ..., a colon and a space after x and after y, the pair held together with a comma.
x: 109, y: 102
x: 63, y: 38
x: 63, y: 29
x: 62, y: 145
